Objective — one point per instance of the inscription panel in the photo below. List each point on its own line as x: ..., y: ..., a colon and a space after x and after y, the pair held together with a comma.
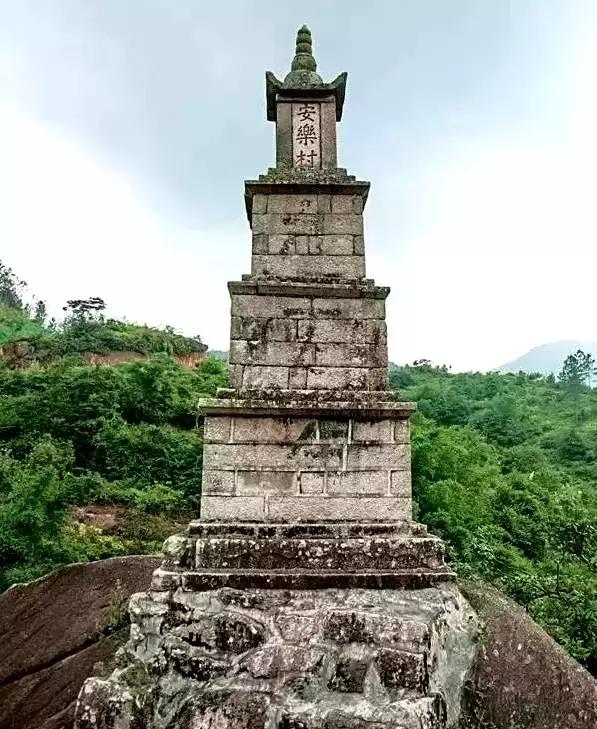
x: 306, y: 134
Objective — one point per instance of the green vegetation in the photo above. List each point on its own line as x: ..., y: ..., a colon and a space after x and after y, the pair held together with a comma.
x: 95, y: 460
x: 83, y: 330
x: 505, y: 470
x: 504, y: 466
x: 114, y: 436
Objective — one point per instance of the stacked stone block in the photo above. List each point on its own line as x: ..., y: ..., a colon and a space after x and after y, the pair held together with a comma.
x: 308, y: 236
x: 275, y: 659
x: 303, y: 336
x: 280, y: 468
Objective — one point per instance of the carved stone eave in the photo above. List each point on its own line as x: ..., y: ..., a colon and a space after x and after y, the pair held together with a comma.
x: 298, y: 403
x: 357, y: 289
x: 275, y: 87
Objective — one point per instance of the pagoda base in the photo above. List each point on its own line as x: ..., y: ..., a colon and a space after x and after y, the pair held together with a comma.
x: 288, y: 659
x: 302, y: 556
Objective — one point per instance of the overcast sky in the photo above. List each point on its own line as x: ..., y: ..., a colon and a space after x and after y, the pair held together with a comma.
x: 127, y: 128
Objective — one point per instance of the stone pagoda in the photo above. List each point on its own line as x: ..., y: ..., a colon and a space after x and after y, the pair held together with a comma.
x: 304, y: 597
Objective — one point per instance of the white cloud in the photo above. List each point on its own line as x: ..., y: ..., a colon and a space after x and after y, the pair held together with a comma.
x: 496, y: 252
x: 74, y: 227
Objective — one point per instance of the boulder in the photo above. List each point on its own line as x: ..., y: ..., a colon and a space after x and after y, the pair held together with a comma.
x: 55, y: 630
x: 521, y: 677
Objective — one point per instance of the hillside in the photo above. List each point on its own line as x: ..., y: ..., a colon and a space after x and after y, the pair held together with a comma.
x: 505, y: 469
x: 548, y: 358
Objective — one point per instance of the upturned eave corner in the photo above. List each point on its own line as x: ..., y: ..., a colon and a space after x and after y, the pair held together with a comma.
x: 274, y: 88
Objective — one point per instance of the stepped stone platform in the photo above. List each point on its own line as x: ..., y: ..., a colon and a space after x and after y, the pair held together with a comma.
x: 302, y: 556
x: 304, y: 597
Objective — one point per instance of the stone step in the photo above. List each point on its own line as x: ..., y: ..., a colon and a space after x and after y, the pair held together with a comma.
x: 337, y: 529
x: 245, y: 707
x: 352, y: 554
x: 300, y: 579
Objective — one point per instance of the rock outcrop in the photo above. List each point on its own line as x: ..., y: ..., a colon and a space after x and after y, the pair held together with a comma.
x: 55, y: 630
x: 521, y: 677
x: 50, y: 644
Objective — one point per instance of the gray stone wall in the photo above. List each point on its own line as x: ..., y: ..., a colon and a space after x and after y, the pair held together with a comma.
x: 306, y: 318
x: 316, y: 341
x: 308, y: 236
x: 283, y: 659
x: 258, y: 468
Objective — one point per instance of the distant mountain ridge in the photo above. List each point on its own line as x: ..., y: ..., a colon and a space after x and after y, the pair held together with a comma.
x: 548, y: 358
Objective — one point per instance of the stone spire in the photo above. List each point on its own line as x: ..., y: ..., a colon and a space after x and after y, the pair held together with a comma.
x: 294, y: 600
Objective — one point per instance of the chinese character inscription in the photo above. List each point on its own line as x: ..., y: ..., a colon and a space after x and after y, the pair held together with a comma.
x: 306, y: 134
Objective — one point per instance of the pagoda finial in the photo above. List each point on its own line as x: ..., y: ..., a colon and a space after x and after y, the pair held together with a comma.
x: 303, y: 71
x: 303, y: 79
x: 304, y: 60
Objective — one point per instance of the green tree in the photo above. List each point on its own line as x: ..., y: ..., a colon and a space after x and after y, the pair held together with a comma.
x: 34, y: 500
x: 11, y: 288
x: 577, y: 371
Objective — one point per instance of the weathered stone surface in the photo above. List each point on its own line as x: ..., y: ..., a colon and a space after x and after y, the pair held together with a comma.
x: 275, y: 659
x: 373, y: 431
x: 247, y: 305
x: 54, y: 630
x: 225, y: 710
x: 351, y: 669
x: 332, y: 455
x: 332, y: 245
x: 356, y: 553
x: 233, y: 508
x: 396, y: 579
x: 338, y: 530
x: 342, y: 330
x: 290, y: 266
x: 341, y: 378
x: 275, y: 430
x: 402, y: 669
x: 249, y: 456
x: 293, y: 203
x: 354, y: 483
x: 350, y: 355
x: 521, y: 677
x: 308, y: 508
x: 273, y: 330
x: 218, y: 483
x: 217, y: 430
x: 346, y: 308
x: 281, y: 658
x: 272, y: 353
x: 262, y: 376
x: 258, y: 483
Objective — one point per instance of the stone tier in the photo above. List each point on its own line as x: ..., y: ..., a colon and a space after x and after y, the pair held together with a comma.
x: 363, y: 404
x: 309, y: 235
x: 305, y: 456
x: 302, y: 556
x: 307, y: 334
